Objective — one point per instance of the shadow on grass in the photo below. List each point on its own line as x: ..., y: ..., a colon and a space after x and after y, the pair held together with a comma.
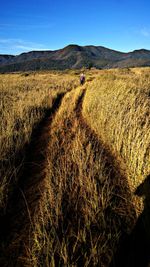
x: 78, y: 231
x: 134, y: 250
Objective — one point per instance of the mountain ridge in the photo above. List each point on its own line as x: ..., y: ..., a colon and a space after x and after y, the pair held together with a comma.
x: 74, y: 57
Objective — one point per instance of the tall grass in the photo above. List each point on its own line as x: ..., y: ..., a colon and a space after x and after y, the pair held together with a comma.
x: 81, y: 211
x: 117, y: 107
x: 25, y: 98
x: 74, y: 211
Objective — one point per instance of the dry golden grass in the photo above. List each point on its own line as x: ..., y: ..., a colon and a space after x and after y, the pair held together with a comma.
x: 117, y: 107
x: 73, y: 209
x: 80, y: 214
x: 25, y: 98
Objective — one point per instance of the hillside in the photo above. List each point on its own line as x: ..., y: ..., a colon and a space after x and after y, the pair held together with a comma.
x: 74, y: 57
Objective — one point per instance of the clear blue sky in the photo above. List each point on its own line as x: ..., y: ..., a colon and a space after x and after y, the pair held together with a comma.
x: 41, y: 24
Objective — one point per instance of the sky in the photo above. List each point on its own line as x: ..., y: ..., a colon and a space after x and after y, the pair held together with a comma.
x: 122, y: 25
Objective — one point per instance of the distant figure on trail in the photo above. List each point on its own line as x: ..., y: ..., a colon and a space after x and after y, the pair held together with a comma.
x: 82, y: 79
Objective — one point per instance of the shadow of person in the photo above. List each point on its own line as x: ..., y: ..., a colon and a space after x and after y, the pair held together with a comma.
x: 134, y: 249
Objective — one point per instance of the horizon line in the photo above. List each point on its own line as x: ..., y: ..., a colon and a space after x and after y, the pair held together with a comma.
x: 71, y: 44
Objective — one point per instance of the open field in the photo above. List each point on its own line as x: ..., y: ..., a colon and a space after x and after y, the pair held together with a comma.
x: 25, y: 99
x: 72, y: 157
x: 117, y: 107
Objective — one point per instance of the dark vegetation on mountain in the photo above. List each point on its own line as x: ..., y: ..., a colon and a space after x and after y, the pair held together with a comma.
x: 74, y: 57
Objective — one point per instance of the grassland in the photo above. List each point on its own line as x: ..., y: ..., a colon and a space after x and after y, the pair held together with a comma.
x: 70, y: 201
x: 25, y: 99
x: 117, y: 107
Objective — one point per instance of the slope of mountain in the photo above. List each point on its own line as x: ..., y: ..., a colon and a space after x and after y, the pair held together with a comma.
x: 74, y: 57
x: 4, y: 59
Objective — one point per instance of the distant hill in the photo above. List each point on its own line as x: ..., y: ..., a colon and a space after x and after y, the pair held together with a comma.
x: 74, y: 57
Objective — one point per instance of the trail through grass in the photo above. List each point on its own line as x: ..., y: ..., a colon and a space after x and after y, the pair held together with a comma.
x: 76, y: 208
x: 72, y: 201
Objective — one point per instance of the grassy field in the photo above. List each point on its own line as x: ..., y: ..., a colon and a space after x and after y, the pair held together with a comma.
x: 25, y: 99
x: 117, y: 107
x: 70, y: 199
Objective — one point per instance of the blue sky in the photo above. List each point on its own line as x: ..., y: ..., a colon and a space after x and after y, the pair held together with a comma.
x: 122, y: 25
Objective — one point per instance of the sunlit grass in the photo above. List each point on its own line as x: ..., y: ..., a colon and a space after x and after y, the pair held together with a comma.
x: 25, y: 98
x: 117, y: 107
x: 96, y: 156
x: 82, y: 215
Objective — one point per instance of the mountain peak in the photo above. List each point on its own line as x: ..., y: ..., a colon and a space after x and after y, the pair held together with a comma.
x: 73, y: 47
x: 141, y: 50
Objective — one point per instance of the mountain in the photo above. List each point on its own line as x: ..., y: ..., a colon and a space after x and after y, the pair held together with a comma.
x: 74, y: 57
x: 5, y: 58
